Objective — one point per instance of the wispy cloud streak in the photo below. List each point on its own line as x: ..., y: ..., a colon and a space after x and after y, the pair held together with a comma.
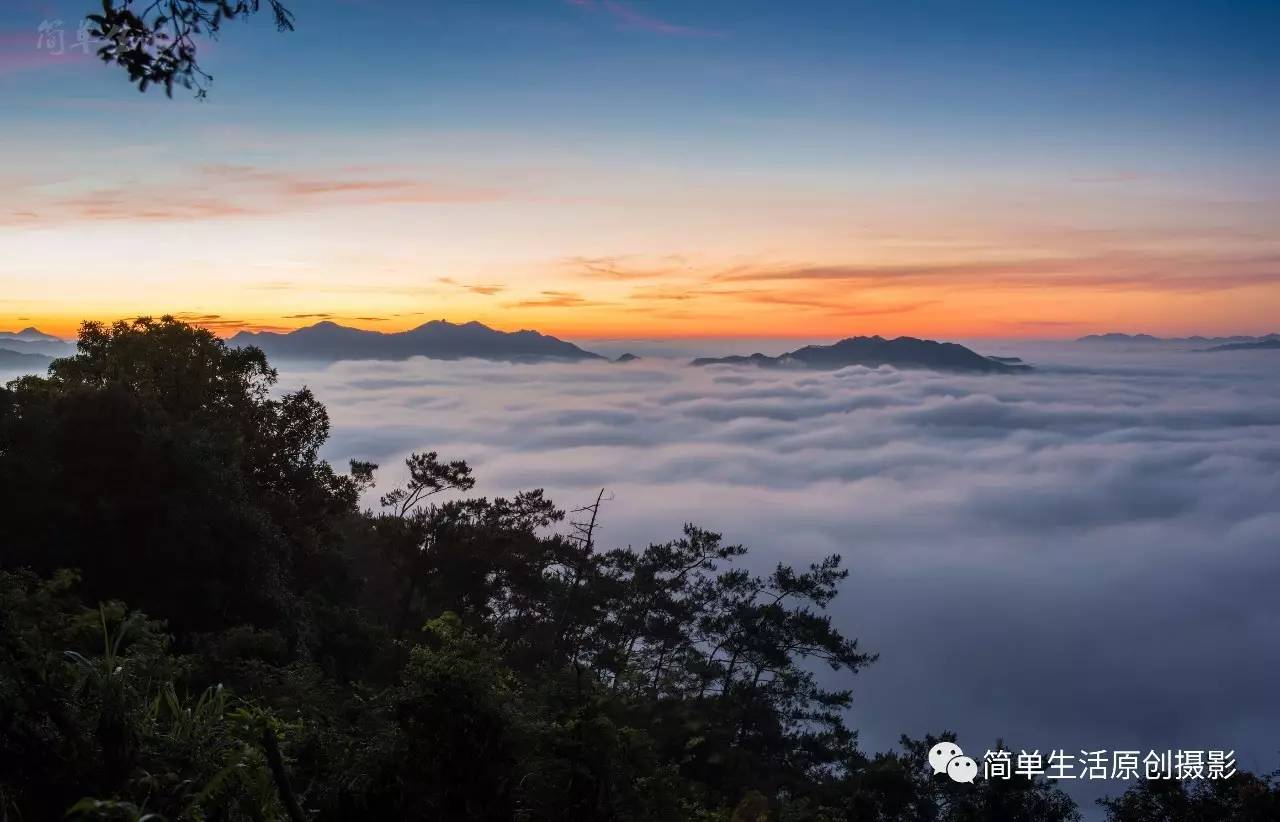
x: 226, y: 191
x: 629, y: 18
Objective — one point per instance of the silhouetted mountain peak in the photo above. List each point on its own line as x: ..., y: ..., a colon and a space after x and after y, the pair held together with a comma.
x: 1268, y: 343
x: 902, y: 352
x: 1114, y: 337
x: 437, y: 339
x: 29, y: 334
x: 33, y: 342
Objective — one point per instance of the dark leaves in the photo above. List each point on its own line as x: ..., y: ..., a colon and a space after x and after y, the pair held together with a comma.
x: 157, y: 44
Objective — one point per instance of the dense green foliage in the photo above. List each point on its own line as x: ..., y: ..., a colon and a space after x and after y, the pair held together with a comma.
x: 445, y: 657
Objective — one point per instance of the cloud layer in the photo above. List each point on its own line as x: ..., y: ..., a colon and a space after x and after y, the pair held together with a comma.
x: 1082, y: 557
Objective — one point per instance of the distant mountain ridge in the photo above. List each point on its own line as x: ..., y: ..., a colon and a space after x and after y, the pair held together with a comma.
x: 437, y: 339
x: 1115, y: 337
x: 54, y: 348
x: 31, y: 341
x: 1267, y: 344
x: 29, y: 334
x: 15, y: 359
x: 872, y: 352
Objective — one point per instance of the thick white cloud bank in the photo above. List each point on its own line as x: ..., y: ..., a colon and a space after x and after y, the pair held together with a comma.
x: 1083, y: 557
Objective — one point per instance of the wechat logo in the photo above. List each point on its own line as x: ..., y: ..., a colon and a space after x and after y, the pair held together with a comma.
x: 947, y: 757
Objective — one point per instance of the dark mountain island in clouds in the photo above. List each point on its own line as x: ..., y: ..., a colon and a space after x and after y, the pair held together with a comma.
x: 902, y: 352
x: 438, y: 340
x: 1272, y: 342
x: 1147, y: 339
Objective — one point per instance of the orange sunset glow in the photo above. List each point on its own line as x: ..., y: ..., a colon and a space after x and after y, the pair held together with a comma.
x: 756, y: 270
x: 682, y: 208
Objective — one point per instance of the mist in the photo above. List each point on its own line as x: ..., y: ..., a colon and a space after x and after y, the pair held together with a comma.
x: 1081, y: 557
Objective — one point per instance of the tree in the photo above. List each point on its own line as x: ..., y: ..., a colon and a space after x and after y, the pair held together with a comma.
x: 1244, y: 797
x: 155, y: 41
x: 157, y: 462
x: 89, y: 709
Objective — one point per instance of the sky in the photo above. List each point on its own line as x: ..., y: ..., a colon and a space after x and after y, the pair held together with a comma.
x: 622, y: 168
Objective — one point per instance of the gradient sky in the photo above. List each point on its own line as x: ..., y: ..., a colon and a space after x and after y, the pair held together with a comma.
x: 609, y: 168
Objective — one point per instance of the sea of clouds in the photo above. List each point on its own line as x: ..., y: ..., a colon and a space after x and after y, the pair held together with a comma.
x: 1082, y: 557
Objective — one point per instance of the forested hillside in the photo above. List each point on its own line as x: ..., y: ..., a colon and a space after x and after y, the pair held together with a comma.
x: 198, y: 620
